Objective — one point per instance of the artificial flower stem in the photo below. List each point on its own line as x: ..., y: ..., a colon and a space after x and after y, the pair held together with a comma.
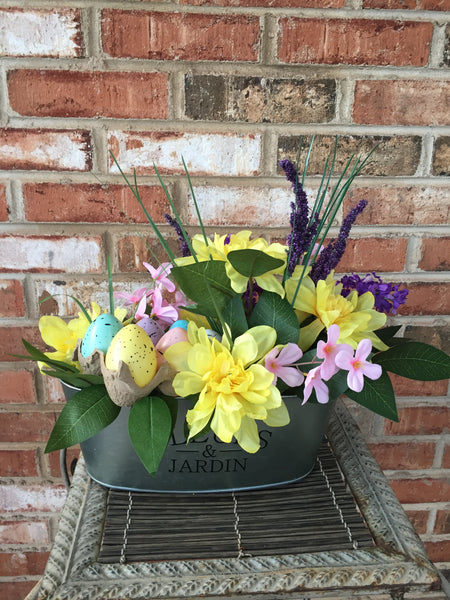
x: 110, y: 286
x: 83, y: 310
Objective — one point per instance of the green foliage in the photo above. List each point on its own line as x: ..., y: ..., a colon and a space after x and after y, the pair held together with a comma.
x: 276, y: 312
x: 378, y: 396
x: 88, y: 411
x: 253, y: 263
x: 149, y: 427
x: 415, y: 360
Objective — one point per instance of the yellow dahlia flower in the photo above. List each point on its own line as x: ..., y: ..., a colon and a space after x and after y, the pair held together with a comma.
x: 233, y: 390
x: 222, y: 245
x: 355, y: 315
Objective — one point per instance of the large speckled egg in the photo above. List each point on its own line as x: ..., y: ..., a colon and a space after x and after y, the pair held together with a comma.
x: 100, y: 333
x: 152, y: 328
x: 134, y: 347
x: 173, y: 336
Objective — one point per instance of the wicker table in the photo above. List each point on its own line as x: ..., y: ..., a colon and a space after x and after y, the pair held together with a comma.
x: 391, y: 561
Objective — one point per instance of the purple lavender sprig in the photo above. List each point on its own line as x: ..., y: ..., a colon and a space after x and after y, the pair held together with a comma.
x: 388, y: 297
x: 332, y: 254
x: 177, y: 227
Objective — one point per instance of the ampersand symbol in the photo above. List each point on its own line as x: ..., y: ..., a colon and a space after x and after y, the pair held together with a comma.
x: 209, y: 451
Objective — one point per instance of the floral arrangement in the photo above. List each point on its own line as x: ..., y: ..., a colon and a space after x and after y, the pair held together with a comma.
x: 233, y: 324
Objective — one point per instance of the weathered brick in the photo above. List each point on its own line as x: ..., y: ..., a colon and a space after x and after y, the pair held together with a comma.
x: 178, y: 36
x: 88, y: 94
x: 436, y: 335
x: 261, y: 100
x: 374, y: 254
x: 438, y: 551
x: 406, y: 455
x: 354, y: 41
x: 427, y: 299
x: 401, y: 205
x: 435, y: 254
x: 51, y: 254
x: 442, y: 524
x: 426, y: 489
x: 134, y: 250
x: 53, y: 459
x: 12, y: 341
x: 26, y: 426
x: 401, y: 102
x: 17, y: 387
x: 407, y: 4
x: 446, y: 457
x: 18, y: 463
x: 271, y: 3
x: 16, y: 590
x: 409, y: 387
x: 252, y: 206
x: 4, y: 210
x: 53, y: 32
x: 22, y: 563
x: 233, y: 155
x: 441, y: 157
x: 392, y: 155
x: 47, y: 150
x: 446, y: 52
x: 11, y: 298
x: 419, y: 519
x: 33, y: 533
x: 32, y: 498
x: 419, y: 420
x: 92, y: 203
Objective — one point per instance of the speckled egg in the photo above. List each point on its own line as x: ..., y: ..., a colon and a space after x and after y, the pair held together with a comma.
x: 152, y: 328
x: 100, y: 333
x: 180, y: 323
x: 134, y: 347
x: 173, y: 336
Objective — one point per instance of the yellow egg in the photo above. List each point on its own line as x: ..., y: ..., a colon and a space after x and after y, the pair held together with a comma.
x: 134, y: 347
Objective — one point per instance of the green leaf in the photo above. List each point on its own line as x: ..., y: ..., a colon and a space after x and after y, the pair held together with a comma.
x: 37, y: 355
x: 337, y: 385
x: 253, y: 263
x: 387, y: 334
x: 234, y: 315
x: 415, y: 360
x: 150, y: 426
x: 378, y: 396
x: 88, y: 411
x: 205, y: 283
x: 80, y: 380
x: 275, y: 311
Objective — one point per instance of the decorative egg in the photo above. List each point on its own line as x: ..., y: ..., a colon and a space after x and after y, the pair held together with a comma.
x: 100, y: 333
x: 134, y: 347
x: 180, y: 323
x: 213, y: 334
x: 171, y: 337
x: 152, y: 328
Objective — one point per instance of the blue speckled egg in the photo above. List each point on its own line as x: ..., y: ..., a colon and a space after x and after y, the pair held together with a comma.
x: 180, y: 323
x: 100, y: 333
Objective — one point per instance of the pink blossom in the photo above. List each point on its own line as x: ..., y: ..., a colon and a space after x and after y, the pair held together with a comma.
x: 280, y: 363
x: 160, y: 275
x: 314, y: 381
x: 357, y: 365
x: 328, y: 351
x: 133, y: 298
x: 161, y: 309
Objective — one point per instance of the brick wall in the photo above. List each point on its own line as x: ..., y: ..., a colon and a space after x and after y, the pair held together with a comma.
x: 231, y: 85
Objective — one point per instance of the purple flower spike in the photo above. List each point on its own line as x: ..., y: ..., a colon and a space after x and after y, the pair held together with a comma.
x: 388, y: 297
x: 177, y: 227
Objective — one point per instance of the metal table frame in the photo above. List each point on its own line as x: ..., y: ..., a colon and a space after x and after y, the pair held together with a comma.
x: 396, y: 564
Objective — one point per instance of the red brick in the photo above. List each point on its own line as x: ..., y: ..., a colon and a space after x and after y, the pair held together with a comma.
x: 435, y: 254
x: 17, y: 387
x: 438, y: 551
x: 51, y: 254
x: 12, y: 341
x: 26, y: 427
x: 16, y: 590
x: 88, y: 94
x: 419, y: 420
x: 11, y: 298
x: 401, y: 102
x: 18, y: 463
x: 53, y: 459
x: 269, y: 3
x: 177, y: 36
x: 4, y: 210
x: 401, y: 205
x: 374, y: 254
x: 409, y: 387
x: 22, y: 563
x: 46, y: 150
x: 408, y: 4
x: 54, y: 32
x: 133, y: 250
x: 412, y: 491
x: 406, y: 455
x: 92, y: 203
x: 442, y: 524
x: 33, y: 533
x: 446, y: 457
x: 419, y: 519
x: 427, y: 299
x: 354, y: 41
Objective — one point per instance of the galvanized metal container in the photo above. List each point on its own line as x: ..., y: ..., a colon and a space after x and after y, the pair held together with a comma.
x: 287, y: 454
